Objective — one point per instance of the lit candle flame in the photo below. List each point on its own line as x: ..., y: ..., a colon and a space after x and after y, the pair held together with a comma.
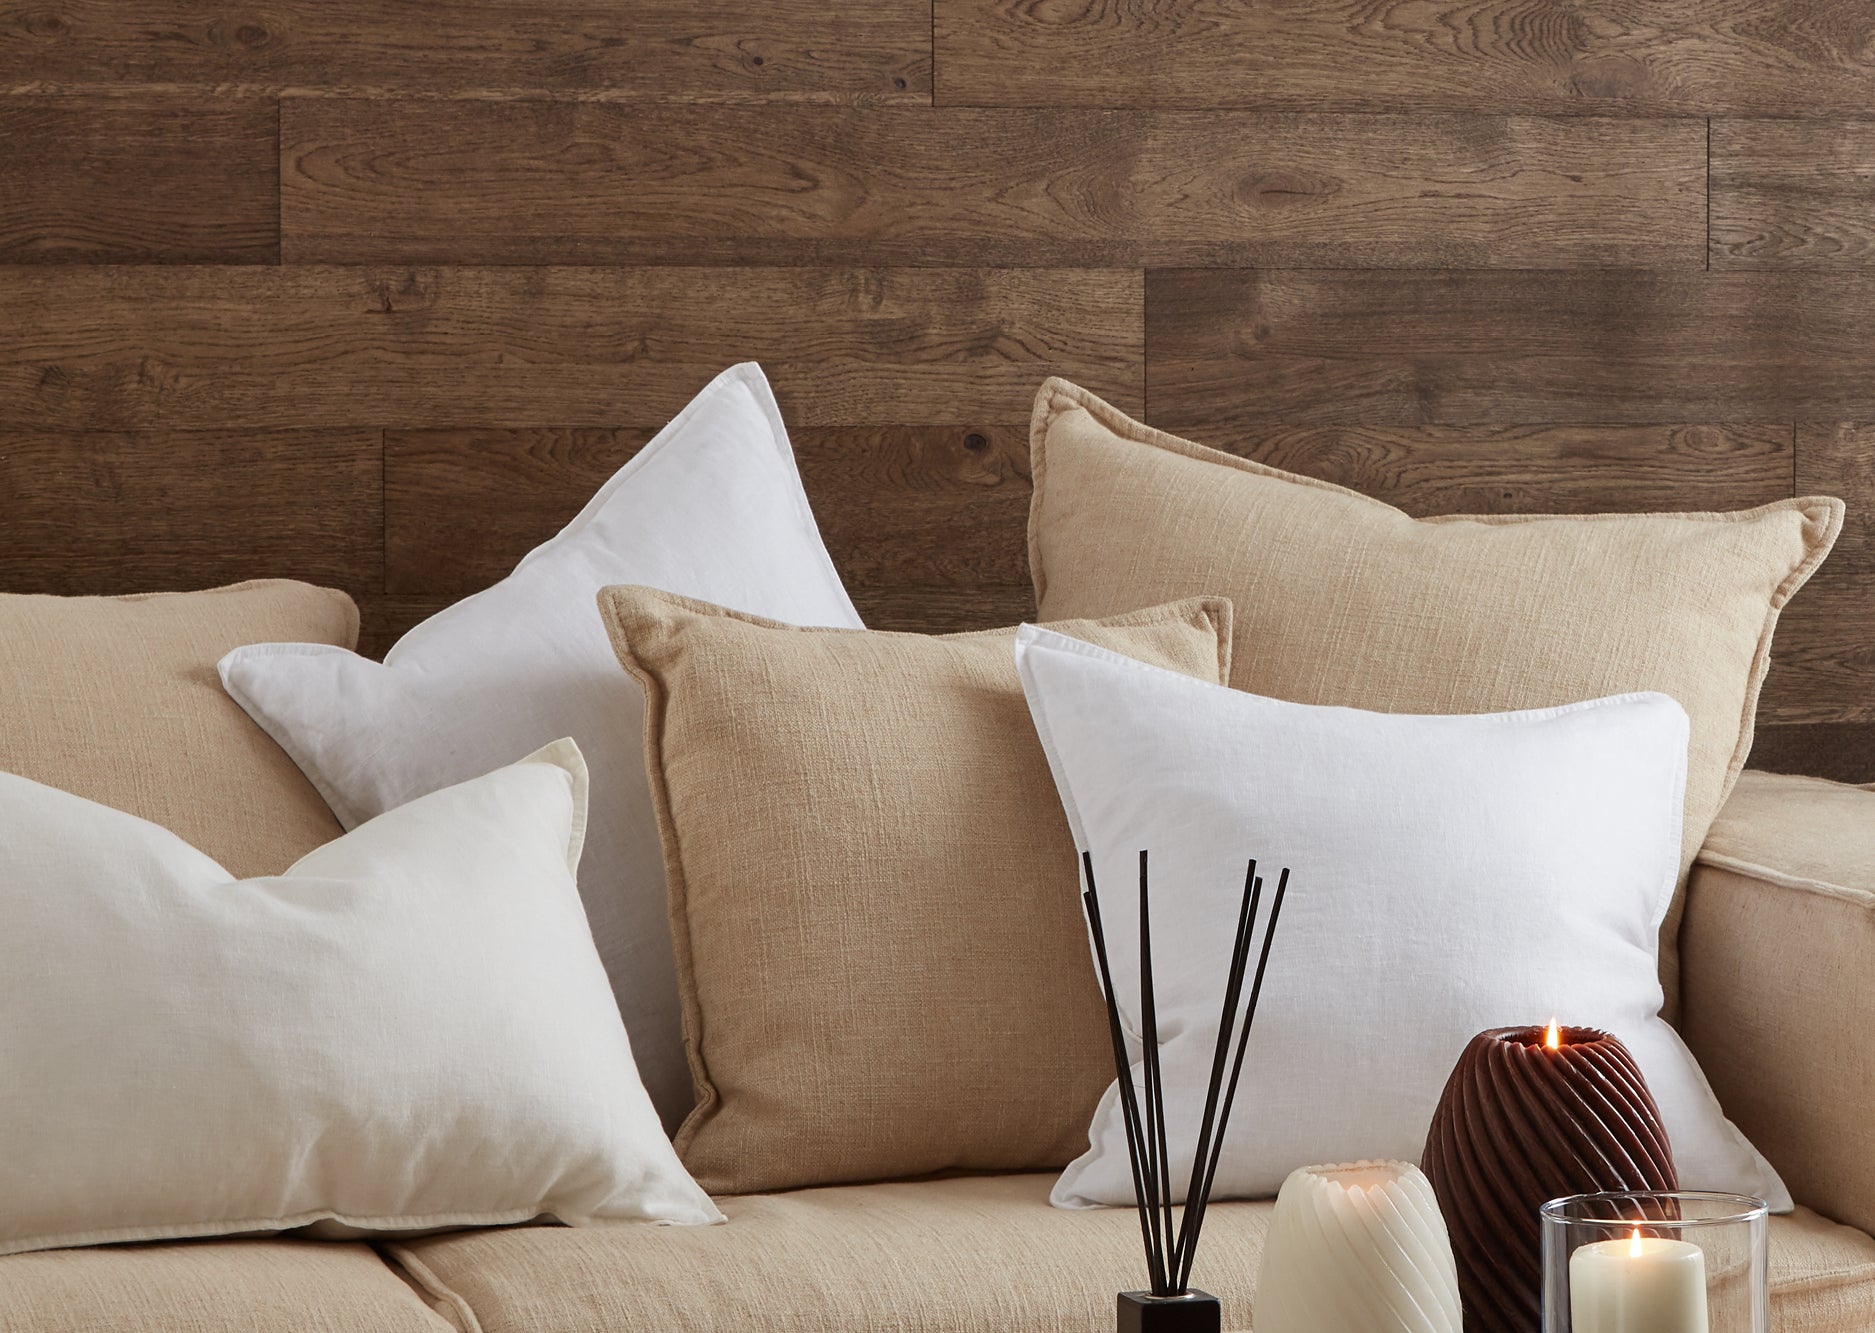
x: 1634, y: 1244
x: 1553, y: 1039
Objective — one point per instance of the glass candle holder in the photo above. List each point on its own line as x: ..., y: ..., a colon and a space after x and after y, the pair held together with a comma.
x: 1655, y: 1262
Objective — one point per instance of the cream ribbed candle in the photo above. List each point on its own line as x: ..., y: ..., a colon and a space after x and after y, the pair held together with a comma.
x: 1359, y: 1246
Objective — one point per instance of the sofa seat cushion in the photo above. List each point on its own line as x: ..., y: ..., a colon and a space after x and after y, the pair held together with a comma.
x: 945, y: 1256
x: 222, y: 1286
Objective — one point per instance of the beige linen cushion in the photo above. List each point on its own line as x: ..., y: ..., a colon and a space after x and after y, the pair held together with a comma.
x: 940, y: 1256
x: 873, y: 888
x: 116, y: 699
x: 1341, y: 599
x: 233, y: 1286
x: 1780, y: 981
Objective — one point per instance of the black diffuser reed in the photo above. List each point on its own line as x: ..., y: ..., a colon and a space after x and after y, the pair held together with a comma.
x: 1171, y: 1305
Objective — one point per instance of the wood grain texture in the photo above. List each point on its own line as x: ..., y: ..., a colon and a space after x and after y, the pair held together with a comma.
x: 118, y: 513
x: 1842, y: 752
x: 143, y: 179
x: 384, y: 618
x: 923, y: 610
x: 1555, y: 469
x: 730, y: 49
x: 506, y: 182
x: 941, y: 506
x: 1396, y: 348
x: 1793, y: 194
x: 1823, y: 659
x: 109, y: 347
x: 1689, y: 57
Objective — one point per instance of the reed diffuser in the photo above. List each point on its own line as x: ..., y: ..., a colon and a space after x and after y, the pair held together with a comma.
x: 1171, y: 1304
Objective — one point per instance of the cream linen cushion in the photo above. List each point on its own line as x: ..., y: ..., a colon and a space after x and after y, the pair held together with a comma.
x: 222, y: 1286
x: 1341, y: 599
x: 940, y: 1256
x: 872, y: 891
x: 115, y: 699
x: 408, y: 1029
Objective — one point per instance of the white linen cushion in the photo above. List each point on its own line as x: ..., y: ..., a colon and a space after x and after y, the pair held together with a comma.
x: 711, y: 508
x: 409, y: 1029
x: 1451, y: 874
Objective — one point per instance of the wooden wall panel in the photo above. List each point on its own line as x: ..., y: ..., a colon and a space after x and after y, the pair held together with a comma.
x: 1236, y: 346
x: 1793, y: 194
x: 377, y: 293
x: 1825, y: 650
x: 507, y: 182
x: 933, y: 506
x: 729, y: 49
x: 1840, y: 751
x: 1655, y: 57
x: 142, y: 348
x: 116, y: 512
x: 141, y: 179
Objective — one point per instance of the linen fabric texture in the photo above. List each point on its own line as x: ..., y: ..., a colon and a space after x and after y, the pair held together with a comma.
x: 115, y: 699
x: 1451, y: 874
x: 1341, y: 599
x: 939, y: 1256
x: 1779, y: 940
x: 408, y: 1029
x: 872, y: 891
x: 211, y: 1286
x: 711, y: 507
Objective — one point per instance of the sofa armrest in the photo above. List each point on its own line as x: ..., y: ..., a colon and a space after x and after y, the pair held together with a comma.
x: 1778, y: 959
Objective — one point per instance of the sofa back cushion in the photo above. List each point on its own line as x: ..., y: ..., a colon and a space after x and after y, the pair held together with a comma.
x: 116, y: 699
x: 873, y: 892
x: 1340, y: 599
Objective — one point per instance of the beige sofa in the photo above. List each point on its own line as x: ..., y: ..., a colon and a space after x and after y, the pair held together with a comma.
x: 1779, y: 978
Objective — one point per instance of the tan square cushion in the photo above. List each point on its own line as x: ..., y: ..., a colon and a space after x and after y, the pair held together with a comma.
x: 241, y: 1286
x: 1341, y: 599
x: 116, y: 699
x: 970, y: 1255
x: 874, y: 898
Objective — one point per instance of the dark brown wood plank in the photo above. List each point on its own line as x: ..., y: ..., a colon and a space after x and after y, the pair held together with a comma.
x: 918, y: 610
x: 115, y: 513
x: 1838, y: 458
x: 384, y: 618
x: 1694, y: 57
x: 110, y: 347
x: 937, y: 505
x: 1793, y: 194
x: 137, y: 180
x: 505, y: 182
x: 1842, y: 751
x: 1823, y: 658
x: 1551, y: 469
x: 1402, y: 348
x: 731, y: 49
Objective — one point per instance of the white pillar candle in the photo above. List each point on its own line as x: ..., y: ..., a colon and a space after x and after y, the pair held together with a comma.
x: 1641, y: 1284
x: 1360, y: 1248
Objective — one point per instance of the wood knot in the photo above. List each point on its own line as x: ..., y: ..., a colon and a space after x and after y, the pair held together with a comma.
x: 43, y: 23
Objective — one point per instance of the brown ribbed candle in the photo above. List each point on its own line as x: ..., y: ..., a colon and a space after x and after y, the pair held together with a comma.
x: 1520, y: 1124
